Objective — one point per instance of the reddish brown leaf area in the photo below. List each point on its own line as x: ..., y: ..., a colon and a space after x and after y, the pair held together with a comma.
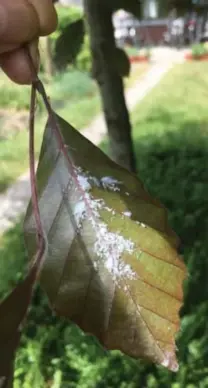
x: 12, y: 312
x: 112, y: 265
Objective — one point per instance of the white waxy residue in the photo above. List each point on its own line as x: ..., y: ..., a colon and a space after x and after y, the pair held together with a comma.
x: 127, y: 214
x: 169, y: 362
x: 84, y: 182
x: 110, y: 183
x: 141, y: 224
x: 107, y: 182
x: 79, y: 212
x: 109, y: 247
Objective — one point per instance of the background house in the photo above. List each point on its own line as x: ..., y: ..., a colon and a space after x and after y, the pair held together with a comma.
x: 154, y: 26
x: 78, y: 3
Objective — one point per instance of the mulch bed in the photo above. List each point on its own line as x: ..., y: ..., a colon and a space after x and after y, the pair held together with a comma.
x: 138, y: 59
x: 190, y: 57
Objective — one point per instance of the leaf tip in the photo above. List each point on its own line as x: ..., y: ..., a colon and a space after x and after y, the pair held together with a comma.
x: 170, y: 362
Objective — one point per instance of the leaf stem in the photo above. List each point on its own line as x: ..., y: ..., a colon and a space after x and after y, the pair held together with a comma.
x: 38, y: 85
x: 41, y: 239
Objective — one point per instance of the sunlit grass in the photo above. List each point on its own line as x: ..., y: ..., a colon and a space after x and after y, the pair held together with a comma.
x: 74, y: 96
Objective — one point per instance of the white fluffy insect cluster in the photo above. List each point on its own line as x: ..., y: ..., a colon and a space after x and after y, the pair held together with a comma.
x: 109, y: 247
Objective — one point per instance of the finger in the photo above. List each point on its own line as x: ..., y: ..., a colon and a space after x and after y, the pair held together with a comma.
x: 17, y: 66
x: 46, y: 14
x: 19, y: 22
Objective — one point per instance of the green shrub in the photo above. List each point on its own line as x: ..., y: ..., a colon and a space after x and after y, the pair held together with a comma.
x: 135, y: 51
x: 131, y: 50
x: 83, y: 60
x: 71, y: 86
x: 198, y: 50
x: 66, y: 15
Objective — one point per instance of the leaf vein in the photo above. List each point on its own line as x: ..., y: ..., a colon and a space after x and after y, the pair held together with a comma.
x: 161, y: 259
x: 159, y: 315
x: 145, y: 323
x: 159, y: 289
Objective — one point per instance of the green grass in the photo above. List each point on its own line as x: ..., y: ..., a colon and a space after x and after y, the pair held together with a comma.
x: 12, y: 95
x: 74, y: 96
x: 13, y: 256
x: 137, y: 71
x: 170, y: 135
x: 180, y: 100
x: 14, y: 156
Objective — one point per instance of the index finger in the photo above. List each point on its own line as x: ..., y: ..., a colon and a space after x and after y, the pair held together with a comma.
x: 23, y: 20
x: 19, y: 22
x: 46, y: 14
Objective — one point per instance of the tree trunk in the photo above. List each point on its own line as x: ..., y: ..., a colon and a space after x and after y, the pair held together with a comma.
x: 106, y: 72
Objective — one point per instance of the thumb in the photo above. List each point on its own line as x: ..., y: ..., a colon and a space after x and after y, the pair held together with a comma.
x: 16, y: 64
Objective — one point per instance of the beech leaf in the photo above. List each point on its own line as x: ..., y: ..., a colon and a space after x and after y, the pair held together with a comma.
x: 69, y: 43
x: 13, y: 312
x: 112, y: 265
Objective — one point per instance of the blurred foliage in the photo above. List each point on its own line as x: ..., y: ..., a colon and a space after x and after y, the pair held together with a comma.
x: 12, y: 95
x: 170, y: 135
x: 66, y: 15
x: 135, y: 51
x: 72, y: 85
x: 68, y: 44
x: 78, y: 50
x: 57, y: 354
x: 83, y: 59
x: 198, y: 50
x: 171, y: 144
x: 73, y: 95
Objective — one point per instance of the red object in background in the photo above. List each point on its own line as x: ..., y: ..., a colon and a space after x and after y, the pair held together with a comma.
x: 138, y: 58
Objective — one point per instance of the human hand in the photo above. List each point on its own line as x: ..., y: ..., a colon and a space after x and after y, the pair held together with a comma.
x: 21, y: 22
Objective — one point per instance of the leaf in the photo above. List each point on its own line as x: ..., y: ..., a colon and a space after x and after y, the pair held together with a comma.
x: 12, y: 312
x: 69, y: 44
x: 112, y: 265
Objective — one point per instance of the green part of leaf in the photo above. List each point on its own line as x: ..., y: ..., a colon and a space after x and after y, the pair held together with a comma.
x: 69, y: 43
x: 112, y: 265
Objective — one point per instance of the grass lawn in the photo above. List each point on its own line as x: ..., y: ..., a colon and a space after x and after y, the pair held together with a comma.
x: 170, y: 136
x: 74, y: 96
x: 78, y: 104
x: 137, y: 71
x: 170, y: 132
x: 178, y: 102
